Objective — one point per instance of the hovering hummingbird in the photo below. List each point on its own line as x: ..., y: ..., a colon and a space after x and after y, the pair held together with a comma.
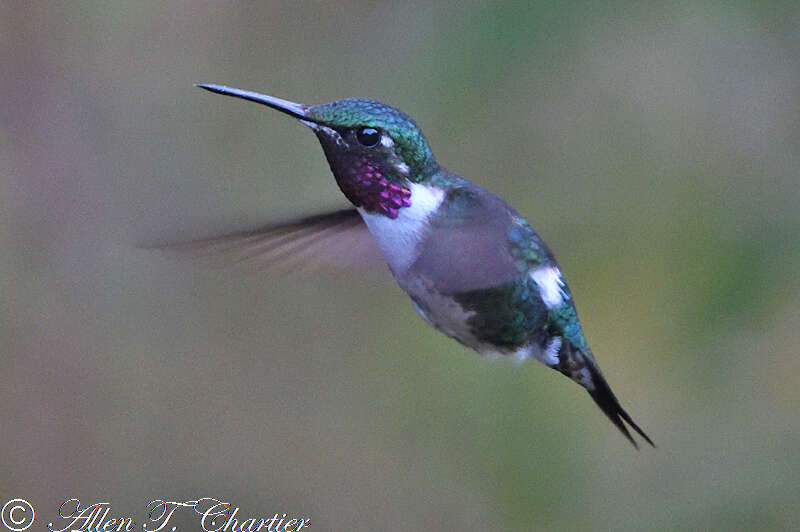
x: 473, y: 267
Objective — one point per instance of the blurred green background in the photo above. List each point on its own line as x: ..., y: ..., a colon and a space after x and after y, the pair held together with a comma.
x: 656, y: 148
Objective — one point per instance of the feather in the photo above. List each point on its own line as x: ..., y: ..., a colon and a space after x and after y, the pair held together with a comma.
x: 336, y: 240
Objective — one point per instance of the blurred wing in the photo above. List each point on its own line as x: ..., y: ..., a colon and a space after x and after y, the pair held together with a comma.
x: 335, y: 241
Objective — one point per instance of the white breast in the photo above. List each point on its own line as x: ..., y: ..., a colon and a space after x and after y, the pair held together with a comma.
x: 398, y: 238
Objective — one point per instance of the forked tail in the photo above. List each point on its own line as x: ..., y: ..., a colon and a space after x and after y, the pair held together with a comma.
x: 610, y: 406
x: 579, y: 365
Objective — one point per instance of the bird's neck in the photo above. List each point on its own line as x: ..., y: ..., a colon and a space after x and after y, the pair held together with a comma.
x: 399, y: 237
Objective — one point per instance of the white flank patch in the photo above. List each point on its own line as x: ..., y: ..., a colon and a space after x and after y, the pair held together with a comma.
x: 550, y: 355
x: 551, y: 285
x: 398, y: 237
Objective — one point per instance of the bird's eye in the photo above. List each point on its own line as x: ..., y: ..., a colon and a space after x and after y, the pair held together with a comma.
x: 368, y: 137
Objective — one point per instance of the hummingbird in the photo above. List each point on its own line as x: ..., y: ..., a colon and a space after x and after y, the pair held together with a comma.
x: 473, y: 267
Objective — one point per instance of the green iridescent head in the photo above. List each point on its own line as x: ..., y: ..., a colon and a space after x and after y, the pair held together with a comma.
x: 394, y: 129
x: 375, y: 151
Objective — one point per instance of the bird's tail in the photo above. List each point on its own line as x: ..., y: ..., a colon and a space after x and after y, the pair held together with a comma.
x: 610, y: 406
x: 580, y: 366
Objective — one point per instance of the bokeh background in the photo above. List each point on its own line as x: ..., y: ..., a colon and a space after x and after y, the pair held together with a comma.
x: 656, y: 148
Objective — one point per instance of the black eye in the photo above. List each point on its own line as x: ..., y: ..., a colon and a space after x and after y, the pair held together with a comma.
x: 368, y: 137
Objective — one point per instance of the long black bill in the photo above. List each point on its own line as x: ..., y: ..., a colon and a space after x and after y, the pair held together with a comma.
x: 296, y: 110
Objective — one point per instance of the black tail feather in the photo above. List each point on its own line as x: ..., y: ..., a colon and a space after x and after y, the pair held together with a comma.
x: 610, y: 406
